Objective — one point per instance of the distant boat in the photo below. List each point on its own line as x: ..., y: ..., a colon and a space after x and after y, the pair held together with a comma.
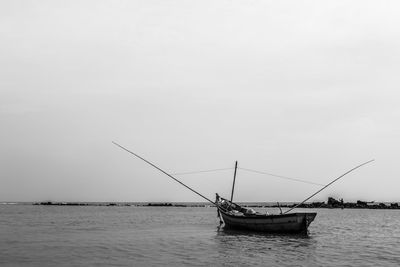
x: 237, y: 217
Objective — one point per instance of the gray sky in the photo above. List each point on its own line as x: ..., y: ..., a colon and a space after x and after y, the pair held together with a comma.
x: 305, y: 89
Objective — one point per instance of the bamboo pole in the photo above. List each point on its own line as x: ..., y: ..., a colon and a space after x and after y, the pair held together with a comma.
x: 161, y: 170
x: 329, y: 185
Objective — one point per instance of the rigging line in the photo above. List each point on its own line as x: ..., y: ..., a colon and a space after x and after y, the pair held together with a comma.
x: 194, y: 172
x: 329, y: 184
x: 161, y: 170
x: 280, y: 176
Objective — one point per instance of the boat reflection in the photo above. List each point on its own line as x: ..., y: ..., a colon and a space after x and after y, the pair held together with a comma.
x: 275, y: 249
x: 222, y: 230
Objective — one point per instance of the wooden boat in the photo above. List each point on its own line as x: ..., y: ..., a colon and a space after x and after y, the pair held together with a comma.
x: 237, y: 217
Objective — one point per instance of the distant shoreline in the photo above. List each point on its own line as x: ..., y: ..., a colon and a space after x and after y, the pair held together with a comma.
x: 330, y: 204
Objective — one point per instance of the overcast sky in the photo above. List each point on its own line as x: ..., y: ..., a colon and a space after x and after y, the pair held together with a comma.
x: 305, y: 89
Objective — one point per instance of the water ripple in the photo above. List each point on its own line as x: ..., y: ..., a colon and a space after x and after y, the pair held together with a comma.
x: 154, y: 236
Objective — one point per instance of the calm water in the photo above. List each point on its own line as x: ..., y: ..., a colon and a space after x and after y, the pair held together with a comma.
x: 154, y: 236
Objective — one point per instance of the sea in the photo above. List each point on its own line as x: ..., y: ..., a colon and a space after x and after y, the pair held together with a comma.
x: 189, y: 236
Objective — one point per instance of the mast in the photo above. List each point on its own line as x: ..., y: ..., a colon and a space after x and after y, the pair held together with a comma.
x: 234, y: 178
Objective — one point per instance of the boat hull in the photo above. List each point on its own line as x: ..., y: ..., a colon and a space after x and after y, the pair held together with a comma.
x: 282, y: 223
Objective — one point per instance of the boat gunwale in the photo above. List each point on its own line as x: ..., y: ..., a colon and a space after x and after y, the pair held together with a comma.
x: 265, y: 216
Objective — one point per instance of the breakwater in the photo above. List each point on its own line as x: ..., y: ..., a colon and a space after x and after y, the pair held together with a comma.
x: 330, y: 204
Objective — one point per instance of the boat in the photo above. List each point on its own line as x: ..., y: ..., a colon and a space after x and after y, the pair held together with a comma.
x: 237, y: 217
